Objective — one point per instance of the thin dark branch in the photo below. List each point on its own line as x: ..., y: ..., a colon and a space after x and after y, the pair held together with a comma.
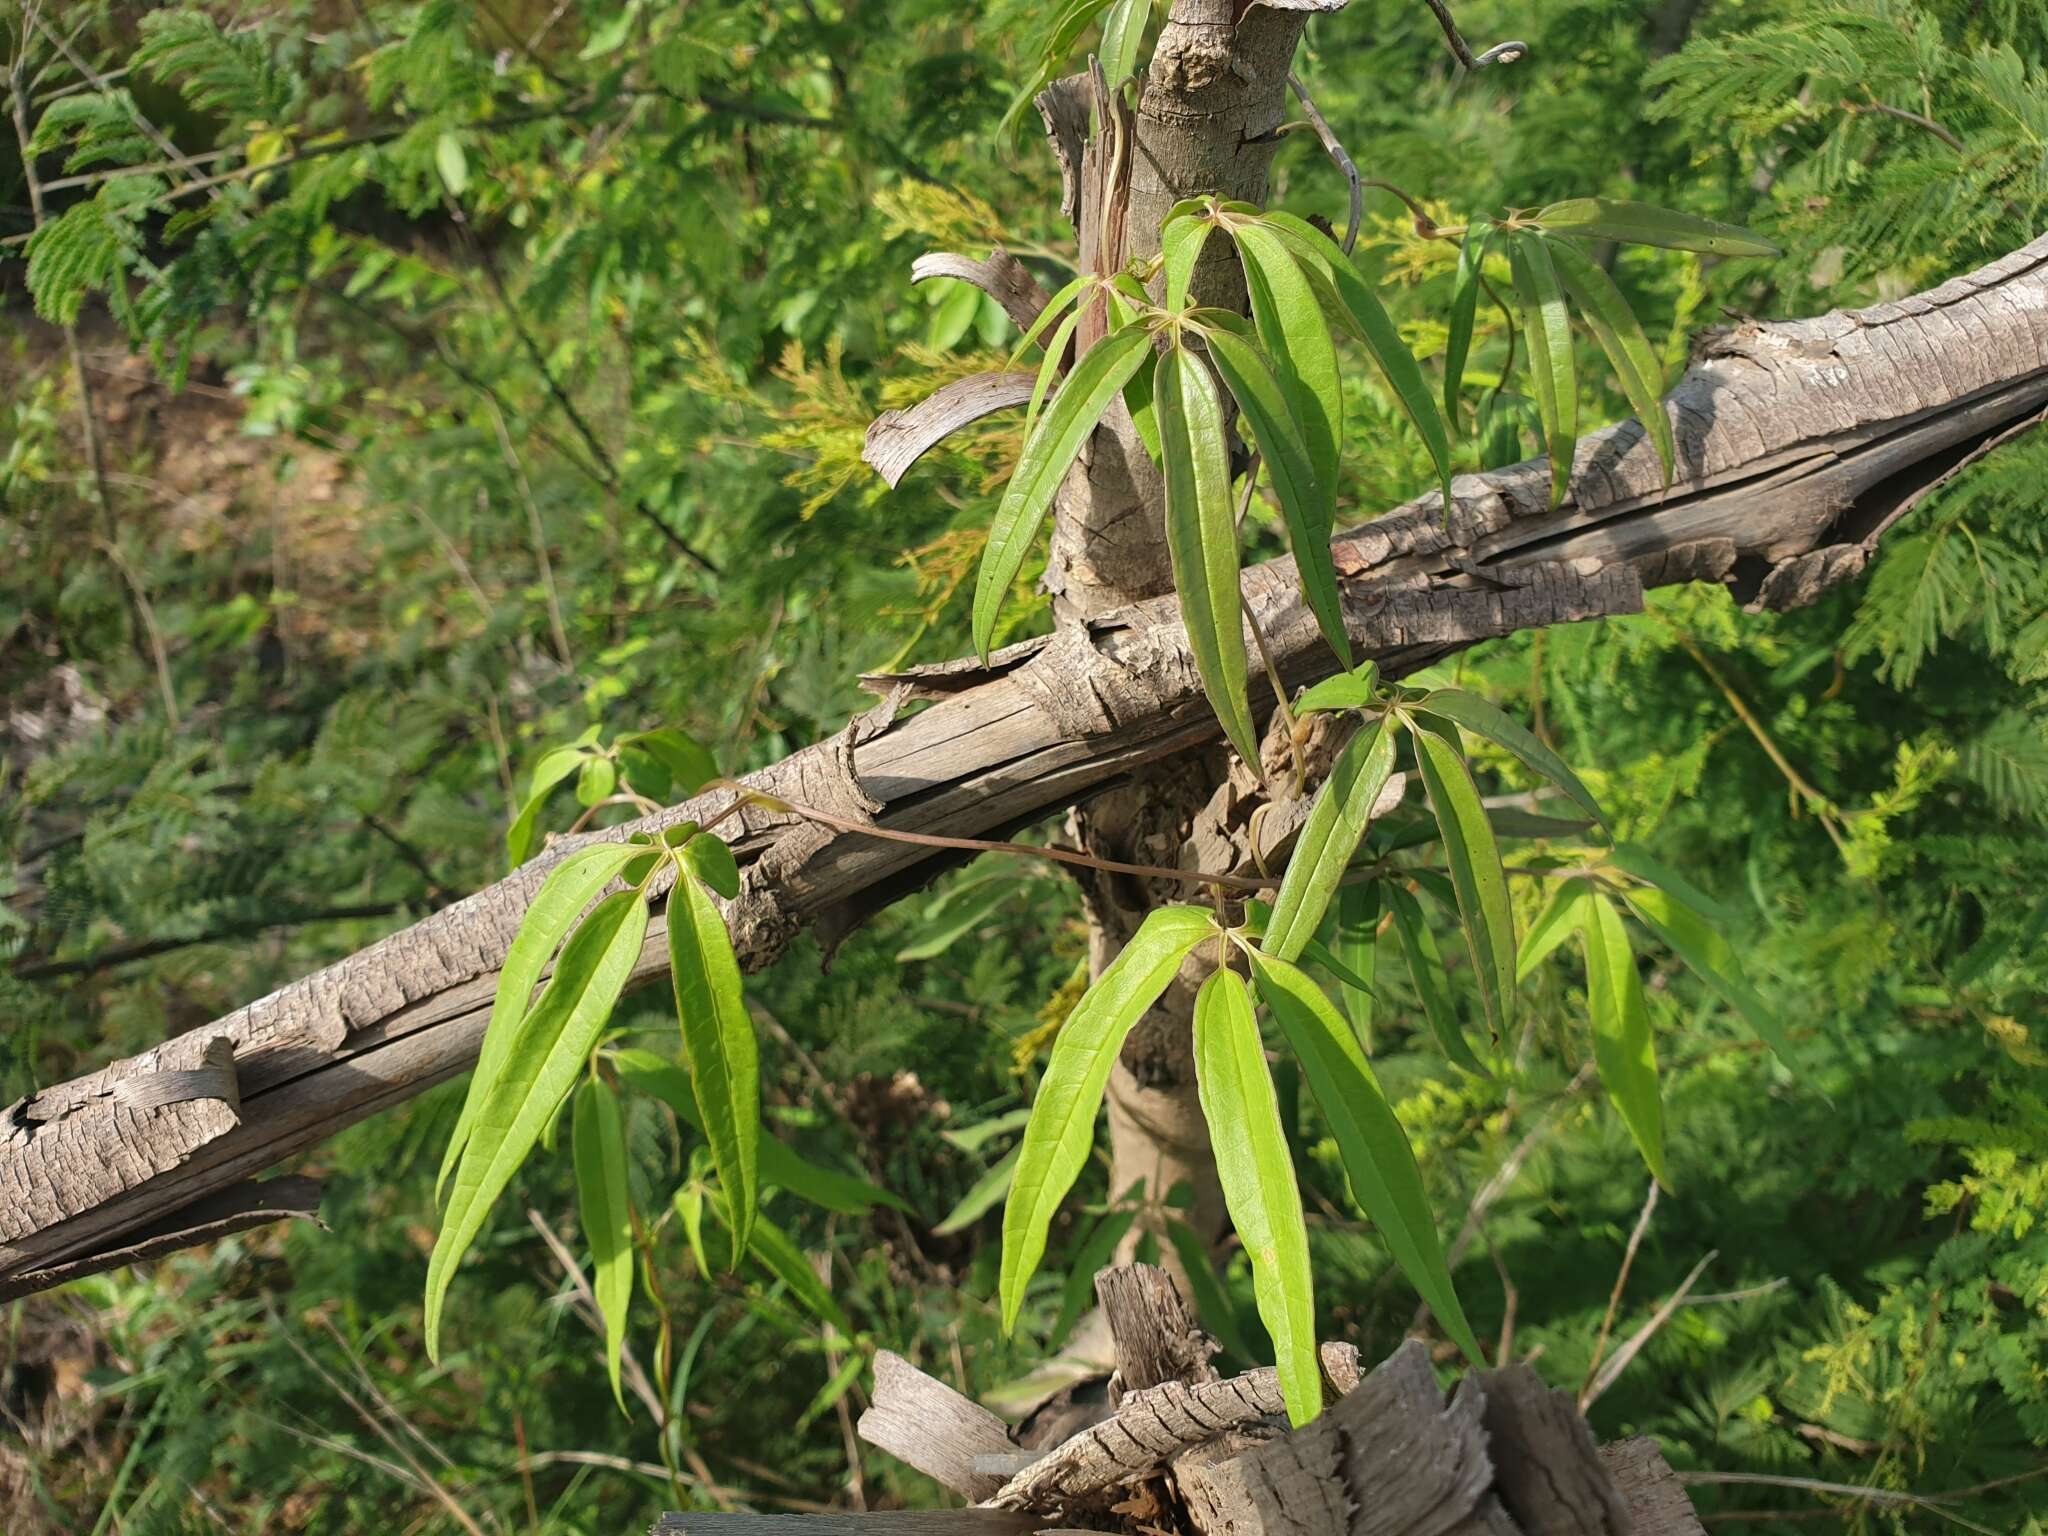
x: 1886, y: 109
x: 107, y: 959
x: 1499, y: 53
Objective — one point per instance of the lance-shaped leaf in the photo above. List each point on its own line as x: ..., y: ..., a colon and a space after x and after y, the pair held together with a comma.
x: 1633, y: 859
x: 1622, y: 1047
x: 1062, y: 1124
x: 783, y: 1259
x: 1049, y: 366
x: 552, y: 768
x: 1308, y: 510
x: 1329, y: 837
x: 1464, y: 312
x: 1123, y: 32
x: 1296, y: 336
x: 1048, y: 452
x: 719, y: 1044
x: 1355, y: 946
x: 1356, y: 689
x: 1377, y: 1156
x: 1426, y: 968
x: 1354, y: 300
x: 1710, y: 957
x: 1607, y: 218
x: 1213, y: 1306
x: 1484, y: 720
x: 1181, y: 244
x: 981, y: 1198
x: 1562, y: 916
x: 1621, y: 337
x: 1054, y: 307
x: 546, y: 1054
x: 598, y: 1138
x: 1473, y: 854
x: 1201, y: 537
x: 710, y: 859
x: 1257, y: 1174
x: 1553, y: 374
x: 570, y: 887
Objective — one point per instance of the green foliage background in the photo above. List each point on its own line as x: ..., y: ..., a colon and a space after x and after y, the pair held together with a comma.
x: 485, y: 312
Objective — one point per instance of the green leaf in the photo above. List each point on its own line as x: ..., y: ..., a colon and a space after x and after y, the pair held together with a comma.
x: 1309, y: 510
x: 1606, y: 218
x: 1329, y: 836
x: 1201, y: 538
x: 1377, y: 1156
x: 953, y: 315
x: 1294, y: 334
x: 1356, y: 689
x: 599, y: 777
x: 1054, y: 306
x: 718, y: 1041
x: 783, y: 1259
x: 710, y: 860
x: 1622, y: 1046
x: 1356, y: 945
x: 1315, y: 954
x: 1062, y: 1124
x: 1464, y: 311
x: 1426, y: 968
x: 452, y: 163
x: 570, y: 887
x: 1048, y: 452
x: 1369, y: 321
x: 1123, y: 33
x: 837, y: 1387
x: 1634, y: 859
x: 982, y: 1197
x: 1476, y: 872
x: 1553, y: 373
x: 944, y: 936
x: 1097, y: 1253
x: 1621, y: 337
x: 544, y: 1058
x: 1181, y: 244
x: 689, y: 764
x: 1710, y: 957
x: 598, y: 1138
x: 1257, y: 1174
x: 552, y: 768
x: 1213, y: 1306
x: 1049, y: 366
x: 1562, y: 916
x: 1486, y: 721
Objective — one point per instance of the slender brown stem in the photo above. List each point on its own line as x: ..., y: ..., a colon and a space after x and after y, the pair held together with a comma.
x: 1628, y: 1260
x: 1337, y: 153
x: 1279, y: 693
x: 1886, y: 109
x: 1499, y: 53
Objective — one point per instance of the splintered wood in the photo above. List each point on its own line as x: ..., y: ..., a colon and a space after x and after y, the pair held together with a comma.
x: 1183, y: 1450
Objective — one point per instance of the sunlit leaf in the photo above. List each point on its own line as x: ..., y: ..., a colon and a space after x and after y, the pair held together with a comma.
x: 1123, y: 33
x: 1256, y: 1170
x: 1328, y: 838
x: 1553, y: 373
x: 1295, y: 335
x: 1048, y: 452
x: 1489, y: 723
x: 788, y: 1263
x: 1464, y: 312
x: 1634, y: 859
x: 718, y: 1042
x: 1622, y: 1045
x: 1620, y: 334
x: 1378, y: 1159
x: 1181, y: 244
x: 552, y: 768
x: 1356, y: 689
x: 1562, y: 916
x: 1426, y: 969
x: 1607, y: 218
x: 546, y: 1054
x: 981, y: 1198
x: 710, y: 860
x: 598, y: 1138
x: 1473, y: 854
x: 689, y: 764
x: 1356, y: 945
x: 1201, y: 537
x: 1710, y: 957
x: 1055, y: 306
x: 1062, y: 1124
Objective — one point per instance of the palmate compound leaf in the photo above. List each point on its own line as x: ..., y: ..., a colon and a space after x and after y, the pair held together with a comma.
x: 1325, y: 263
x: 1378, y: 1159
x: 1473, y: 854
x: 1623, y: 1049
x: 570, y: 887
x: 1614, y: 325
x: 1432, y: 986
x: 1464, y: 313
x: 1553, y: 373
x: 545, y: 1055
x: 1303, y: 503
x: 1062, y: 1124
x: 1329, y: 837
x: 1710, y: 957
x: 1201, y: 537
x: 1607, y: 218
x: 1048, y: 452
x: 1257, y: 1174
x: 1486, y: 721
x: 719, y: 1044
x: 598, y: 1140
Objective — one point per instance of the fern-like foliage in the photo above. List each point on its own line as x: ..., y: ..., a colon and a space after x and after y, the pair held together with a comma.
x: 234, y: 74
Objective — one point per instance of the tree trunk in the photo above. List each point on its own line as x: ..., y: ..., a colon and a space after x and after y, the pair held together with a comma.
x: 1800, y: 444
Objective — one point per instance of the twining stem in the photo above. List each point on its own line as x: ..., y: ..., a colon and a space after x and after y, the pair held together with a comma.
x: 1336, y: 151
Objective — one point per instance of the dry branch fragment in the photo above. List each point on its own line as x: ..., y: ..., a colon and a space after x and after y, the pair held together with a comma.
x: 921, y: 1421
x: 898, y: 439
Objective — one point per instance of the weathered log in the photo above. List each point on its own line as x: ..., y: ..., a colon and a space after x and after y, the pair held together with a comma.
x: 1798, y: 444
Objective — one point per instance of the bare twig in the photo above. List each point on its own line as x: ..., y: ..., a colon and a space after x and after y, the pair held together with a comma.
x: 1643, y: 1335
x: 1336, y: 151
x: 1499, y: 53
x: 145, y: 610
x: 539, y: 535
x: 1628, y: 1259
x: 106, y: 959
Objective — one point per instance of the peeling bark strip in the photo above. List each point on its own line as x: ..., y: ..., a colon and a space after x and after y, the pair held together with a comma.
x: 1796, y: 443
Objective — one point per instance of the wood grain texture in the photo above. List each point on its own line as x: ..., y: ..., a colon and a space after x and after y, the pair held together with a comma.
x: 1796, y: 441
x: 1657, y: 1503
x: 924, y: 1423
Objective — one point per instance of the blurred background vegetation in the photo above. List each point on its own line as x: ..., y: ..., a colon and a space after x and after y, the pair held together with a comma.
x: 465, y: 376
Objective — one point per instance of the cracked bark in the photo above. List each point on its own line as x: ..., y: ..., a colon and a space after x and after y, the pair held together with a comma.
x: 1798, y: 443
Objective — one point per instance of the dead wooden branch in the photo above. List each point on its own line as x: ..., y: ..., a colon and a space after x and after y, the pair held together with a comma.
x: 1797, y: 444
